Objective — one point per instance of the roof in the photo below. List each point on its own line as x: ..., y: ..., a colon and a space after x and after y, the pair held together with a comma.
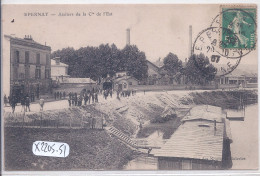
x: 149, y: 62
x: 29, y: 42
x: 78, y: 81
x: 53, y: 63
x: 205, y: 112
x: 124, y: 78
x: 195, y: 142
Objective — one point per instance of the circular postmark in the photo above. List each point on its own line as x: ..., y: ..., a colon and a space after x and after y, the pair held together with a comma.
x: 242, y: 23
x: 207, y: 43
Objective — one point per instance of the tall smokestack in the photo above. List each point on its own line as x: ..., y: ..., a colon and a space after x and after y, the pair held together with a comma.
x: 190, y: 40
x: 127, y: 36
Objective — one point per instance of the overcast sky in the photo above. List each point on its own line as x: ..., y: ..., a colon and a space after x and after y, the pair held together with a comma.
x: 155, y: 29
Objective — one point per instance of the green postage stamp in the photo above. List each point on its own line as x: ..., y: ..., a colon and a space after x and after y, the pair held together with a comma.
x: 240, y: 27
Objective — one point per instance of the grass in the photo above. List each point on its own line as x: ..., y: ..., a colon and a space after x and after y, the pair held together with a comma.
x: 89, y: 150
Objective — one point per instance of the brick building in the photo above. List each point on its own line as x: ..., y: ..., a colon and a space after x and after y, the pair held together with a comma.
x: 26, y: 67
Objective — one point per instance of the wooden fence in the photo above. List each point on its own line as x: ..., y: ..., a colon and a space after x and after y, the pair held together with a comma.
x: 41, y: 120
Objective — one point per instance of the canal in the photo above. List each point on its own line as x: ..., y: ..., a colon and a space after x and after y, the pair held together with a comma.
x: 244, y: 148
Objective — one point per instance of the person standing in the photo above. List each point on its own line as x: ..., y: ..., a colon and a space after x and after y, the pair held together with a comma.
x: 72, y: 100
x: 70, y: 95
x: 85, y: 99
x: 41, y: 102
x: 13, y: 103
x: 79, y: 101
x: 33, y: 97
x: 96, y: 97
x: 117, y: 94
x: 23, y: 103
x: 5, y: 100
x: 69, y: 100
x: 93, y: 97
x: 75, y: 99
x: 64, y: 95
x: 27, y: 103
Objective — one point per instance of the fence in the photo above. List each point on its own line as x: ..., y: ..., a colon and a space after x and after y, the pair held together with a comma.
x: 53, y: 120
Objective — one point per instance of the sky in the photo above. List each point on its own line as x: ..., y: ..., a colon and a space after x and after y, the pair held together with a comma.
x: 155, y: 29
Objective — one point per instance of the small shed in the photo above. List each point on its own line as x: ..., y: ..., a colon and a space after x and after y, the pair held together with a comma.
x: 194, y: 145
x: 125, y: 83
x: 200, y: 143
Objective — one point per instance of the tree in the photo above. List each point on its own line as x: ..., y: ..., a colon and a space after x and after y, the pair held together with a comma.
x: 97, y: 62
x: 199, y: 70
x: 134, y: 62
x: 172, y: 64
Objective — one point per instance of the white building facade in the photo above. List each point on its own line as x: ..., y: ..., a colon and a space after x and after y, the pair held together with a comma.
x: 59, y: 70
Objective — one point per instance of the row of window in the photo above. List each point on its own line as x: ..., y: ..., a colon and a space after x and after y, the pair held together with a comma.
x: 26, y: 75
x: 27, y: 58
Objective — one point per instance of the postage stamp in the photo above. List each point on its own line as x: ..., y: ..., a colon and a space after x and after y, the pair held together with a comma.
x: 241, y: 22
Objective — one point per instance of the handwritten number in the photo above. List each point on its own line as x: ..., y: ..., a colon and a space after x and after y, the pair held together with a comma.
x: 42, y: 146
x: 60, y: 148
x: 52, y: 148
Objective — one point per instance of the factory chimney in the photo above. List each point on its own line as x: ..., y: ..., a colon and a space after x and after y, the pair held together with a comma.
x: 128, y: 36
x: 190, y: 41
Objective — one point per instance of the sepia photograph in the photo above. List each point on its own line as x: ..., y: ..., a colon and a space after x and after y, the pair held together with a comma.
x: 129, y: 87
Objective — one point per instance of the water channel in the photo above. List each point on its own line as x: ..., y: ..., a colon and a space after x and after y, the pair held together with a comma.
x: 244, y: 148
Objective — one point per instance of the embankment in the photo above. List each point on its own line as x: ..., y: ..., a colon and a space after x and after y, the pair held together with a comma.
x: 223, y: 99
x: 93, y: 149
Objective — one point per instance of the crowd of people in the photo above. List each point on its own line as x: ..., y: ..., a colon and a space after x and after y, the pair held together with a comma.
x: 24, y: 100
x: 59, y: 95
x: 86, y: 97
x: 74, y: 99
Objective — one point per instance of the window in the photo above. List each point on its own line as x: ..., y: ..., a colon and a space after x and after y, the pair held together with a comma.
x: 124, y: 85
x: 130, y: 83
x: 26, y: 57
x: 47, y: 59
x: 27, y: 72
x: 38, y: 59
x: 47, y: 73
x: 38, y: 72
x: 17, y: 57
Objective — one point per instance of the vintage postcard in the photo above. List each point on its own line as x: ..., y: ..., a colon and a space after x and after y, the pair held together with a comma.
x: 155, y: 87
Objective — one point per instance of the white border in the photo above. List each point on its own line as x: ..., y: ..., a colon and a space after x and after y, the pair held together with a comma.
x: 158, y: 172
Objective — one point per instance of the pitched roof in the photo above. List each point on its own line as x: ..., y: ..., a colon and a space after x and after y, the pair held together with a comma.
x: 124, y: 78
x: 205, y: 112
x: 29, y: 42
x: 149, y: 62
x: 78, y: 81
x: 196, y: 140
